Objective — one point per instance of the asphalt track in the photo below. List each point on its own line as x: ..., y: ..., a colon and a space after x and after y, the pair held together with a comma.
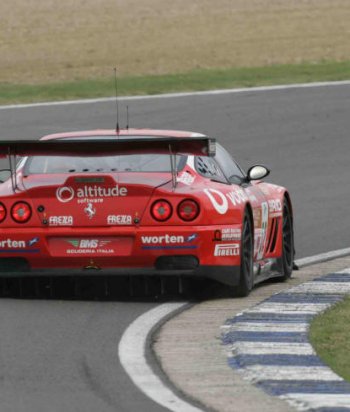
x: 63, y: 355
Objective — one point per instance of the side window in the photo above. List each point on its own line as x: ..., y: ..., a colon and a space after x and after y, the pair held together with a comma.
x: 230, y: 168
x: 207, y: 167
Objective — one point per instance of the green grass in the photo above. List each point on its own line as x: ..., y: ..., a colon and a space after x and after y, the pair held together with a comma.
x: 191, y: 81
x: 330, y: 336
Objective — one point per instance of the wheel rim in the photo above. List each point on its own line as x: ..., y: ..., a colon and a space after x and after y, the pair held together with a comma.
x: 247, y: 255
x: 287, y: 237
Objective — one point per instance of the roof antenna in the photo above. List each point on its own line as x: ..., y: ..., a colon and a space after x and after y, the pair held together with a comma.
x: 116, y: 99
x: 127, y: 117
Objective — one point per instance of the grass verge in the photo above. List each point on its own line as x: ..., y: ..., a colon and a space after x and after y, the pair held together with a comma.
x: 330, y: 336
x: 192, y: 81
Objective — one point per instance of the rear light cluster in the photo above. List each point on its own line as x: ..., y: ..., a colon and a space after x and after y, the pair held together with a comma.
x: 21, y: 212
x: 161, y: 210
x: 187, y: 210
x: 3, y: 212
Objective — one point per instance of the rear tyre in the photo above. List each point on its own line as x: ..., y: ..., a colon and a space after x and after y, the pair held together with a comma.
x: 287, y: 242
x: 246, y: 281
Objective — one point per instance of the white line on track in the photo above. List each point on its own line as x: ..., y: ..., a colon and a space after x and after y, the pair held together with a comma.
x: 289, y: 308
x: 267, y: 327
x: 315, y: 401
x: 256, y: 373
x: 323, y: 257
x: 271, y: 348
x: 132, y: 349
x: 322, y: 287
x: 185, y: 94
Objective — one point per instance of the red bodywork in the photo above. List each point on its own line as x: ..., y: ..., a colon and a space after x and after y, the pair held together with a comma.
x: 90, y: 223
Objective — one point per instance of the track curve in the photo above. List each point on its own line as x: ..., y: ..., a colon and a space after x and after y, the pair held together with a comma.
x: 63, y: 355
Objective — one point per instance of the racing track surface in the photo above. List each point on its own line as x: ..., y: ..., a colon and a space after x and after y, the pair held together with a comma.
x: 62, y: 355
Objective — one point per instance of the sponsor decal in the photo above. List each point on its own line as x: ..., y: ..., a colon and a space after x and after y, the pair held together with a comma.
x: 88, y: 243
x: 275, y: 205
x: 229, y: 249
x: 90, y: 210
x: 257, y: 217
x: 91, y: 194
x: 65, y: 194
x: 237, y: 197
x: 186, y: 178
x: 227, y: 234
x: 10, y: 245
x: 33, y: 241
x: 119, y: 220
x: 60, y: 220
x: 169, y: 241
x: 220, y: 201
x: 165, y: 239
x: 261, y: 234
x: 90, y: 246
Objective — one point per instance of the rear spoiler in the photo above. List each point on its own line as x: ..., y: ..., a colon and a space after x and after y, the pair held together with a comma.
x: 195, y: 145
x: 201, y: 146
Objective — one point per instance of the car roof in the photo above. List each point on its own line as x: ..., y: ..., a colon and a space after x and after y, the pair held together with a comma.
x: 123, y: 132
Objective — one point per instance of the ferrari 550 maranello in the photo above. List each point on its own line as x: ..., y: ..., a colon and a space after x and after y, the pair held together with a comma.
x: 141, y: 202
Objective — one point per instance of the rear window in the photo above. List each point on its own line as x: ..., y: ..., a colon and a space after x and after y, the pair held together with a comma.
x: 102, y: 164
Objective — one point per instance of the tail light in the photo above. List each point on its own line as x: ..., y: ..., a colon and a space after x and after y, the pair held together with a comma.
x: 21, y: 212
x: 2, y: 212
x: 161, y: 210
x: 188, y: 210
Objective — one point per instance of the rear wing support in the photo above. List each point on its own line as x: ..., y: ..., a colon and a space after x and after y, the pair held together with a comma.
x: 173, y: 168
x: 12, y: 166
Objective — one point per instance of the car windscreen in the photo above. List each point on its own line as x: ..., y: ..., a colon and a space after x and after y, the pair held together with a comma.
x: 101, y: 164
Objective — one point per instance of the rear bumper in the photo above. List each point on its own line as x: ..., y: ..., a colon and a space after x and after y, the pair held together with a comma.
x: 228, y: 275
x: 186, y: 251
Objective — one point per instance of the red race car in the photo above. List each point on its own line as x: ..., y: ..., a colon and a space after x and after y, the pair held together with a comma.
x: 141, y: 202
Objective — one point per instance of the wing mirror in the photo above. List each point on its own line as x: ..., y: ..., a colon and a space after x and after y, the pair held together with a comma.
x: 4, y: 175
x: 257, y: 172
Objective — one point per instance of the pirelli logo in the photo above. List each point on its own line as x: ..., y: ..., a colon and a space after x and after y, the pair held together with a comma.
x: 229, y: 249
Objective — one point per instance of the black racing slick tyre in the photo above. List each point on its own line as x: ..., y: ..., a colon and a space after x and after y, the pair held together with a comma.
x: 287, y: 242
x: 246, y: 281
